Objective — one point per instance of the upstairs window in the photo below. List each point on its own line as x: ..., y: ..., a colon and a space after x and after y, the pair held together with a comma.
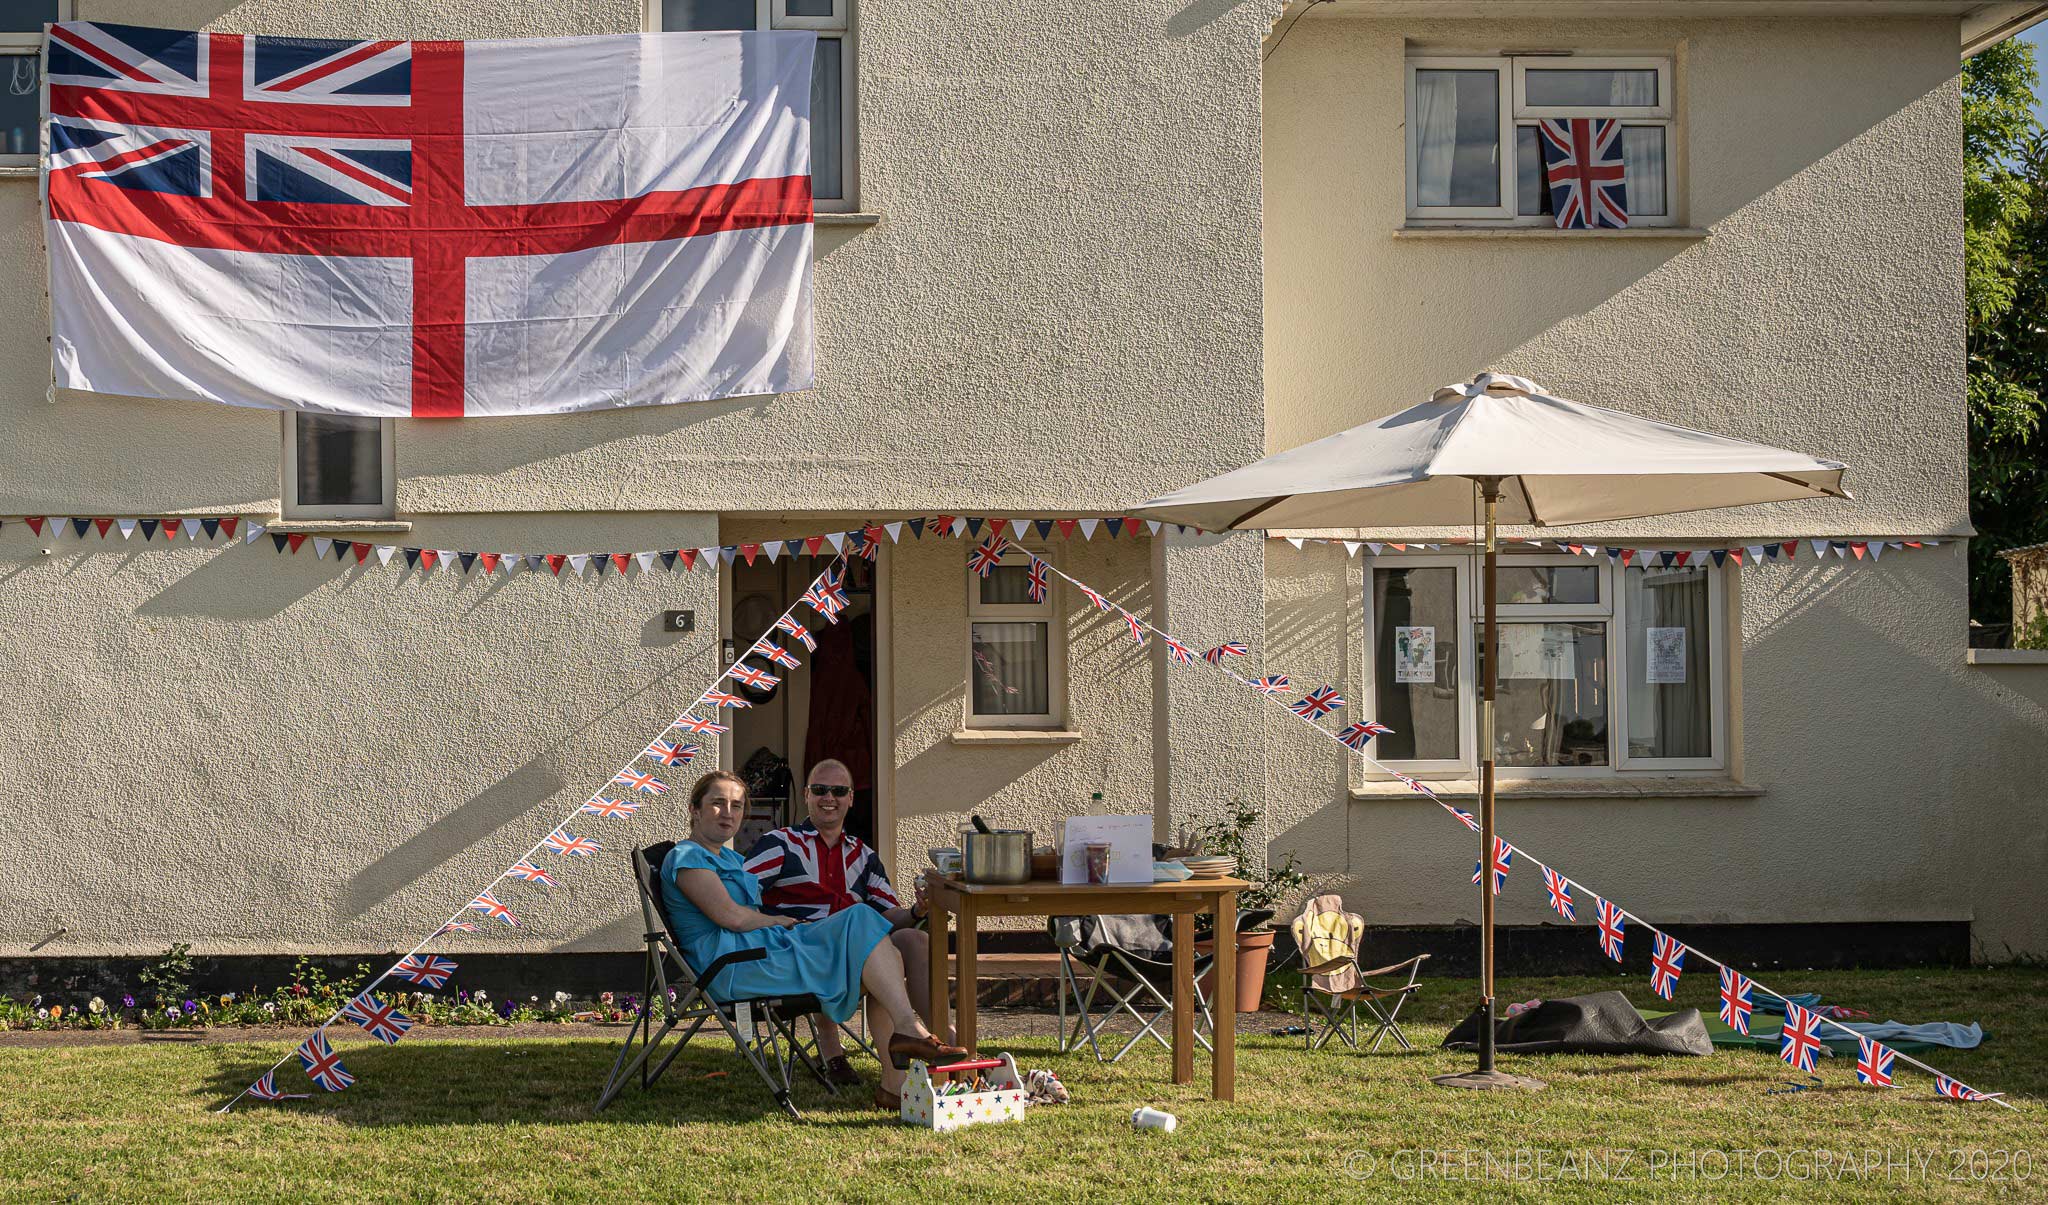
x: 338, y: 466
x: 21, y: 76
x: 831, y: 73
x: 1475, y: 153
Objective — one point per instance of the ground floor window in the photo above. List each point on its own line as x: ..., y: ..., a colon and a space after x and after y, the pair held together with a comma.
x: 1015, y: 670
x: 1603, y: 669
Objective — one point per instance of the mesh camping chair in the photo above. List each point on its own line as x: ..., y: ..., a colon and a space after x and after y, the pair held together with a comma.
x: 1326, y: 942
x: 763, y: 1029
x: 1130, y: 960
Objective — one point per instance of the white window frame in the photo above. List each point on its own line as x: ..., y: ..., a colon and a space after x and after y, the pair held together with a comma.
x: 1613, y: 611
x: 291, y: 508
x: 1468, y: 663
x: 29, y: 43
x: 1052, y: 615
x: 1513, y: 72
x: 839, y: 27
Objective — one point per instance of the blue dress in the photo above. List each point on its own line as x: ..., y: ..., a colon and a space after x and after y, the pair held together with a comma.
x: 822, y: 958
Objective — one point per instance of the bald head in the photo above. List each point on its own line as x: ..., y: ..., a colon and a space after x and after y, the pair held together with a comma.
x: 828, y: 791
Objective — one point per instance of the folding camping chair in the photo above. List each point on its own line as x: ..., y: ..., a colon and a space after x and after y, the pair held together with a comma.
x: 1130, y: 959
x: 1326, y: 943
x: 763, y: 1029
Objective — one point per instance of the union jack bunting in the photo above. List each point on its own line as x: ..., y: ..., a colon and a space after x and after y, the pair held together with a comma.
x: 647, y: 783
x: 1101, y: 603
x: 700, y: 727
x: 1357, y: 733
x: 457, y: 926
x: 790, y: 624
x: 1272, y: 684
x: 1583, y: 168
x: 1612, y: 920
x: 533, y: 874
x: 1317, y: 703
x: 1799, y: 1042
x: 1233, y: 648
x: 428, y: 970
x: 266, y: 1089
x: 563, y: 842
x: 610, y: 809
x: 759, y: 679
x: 323, y: 1065
x: 1737, y: 1000
x: 720, y: 698
x: 1560, y: 889
x: 776, y: 654
x: 1180, y: 653
x: 1874, y: 1062
x: 817, y: 599
x: 1137, y: 628
x: 1954, y: 1090
x: 1464, y: 817
x: 380, y: 1020
x: 988, y: 555
x: 488, y: 904
x: 673, y: 754
x: 866, y: 544
x: 1503, y: 857
x: 1667, y: 960
x: 1035, y: 584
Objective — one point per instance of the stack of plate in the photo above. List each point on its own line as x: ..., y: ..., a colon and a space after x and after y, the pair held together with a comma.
x: 1209, y: 868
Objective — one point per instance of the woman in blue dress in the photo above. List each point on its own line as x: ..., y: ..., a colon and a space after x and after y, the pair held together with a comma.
x: 716, y: 907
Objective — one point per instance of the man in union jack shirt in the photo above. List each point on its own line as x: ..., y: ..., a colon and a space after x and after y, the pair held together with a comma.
x: 814, y: 869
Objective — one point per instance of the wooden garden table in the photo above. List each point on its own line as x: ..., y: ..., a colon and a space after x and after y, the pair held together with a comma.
x: 969, y: 902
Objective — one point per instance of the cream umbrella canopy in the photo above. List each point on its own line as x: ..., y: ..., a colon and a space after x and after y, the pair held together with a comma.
x: 1525, y: 456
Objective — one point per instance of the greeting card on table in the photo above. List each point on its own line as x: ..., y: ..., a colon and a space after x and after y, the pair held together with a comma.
x: 1130, y: 848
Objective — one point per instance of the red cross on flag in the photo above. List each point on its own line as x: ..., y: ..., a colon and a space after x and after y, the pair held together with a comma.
x: 429, y: 229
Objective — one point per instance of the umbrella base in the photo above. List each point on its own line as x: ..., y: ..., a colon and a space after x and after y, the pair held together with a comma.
x: 1489, y: 1081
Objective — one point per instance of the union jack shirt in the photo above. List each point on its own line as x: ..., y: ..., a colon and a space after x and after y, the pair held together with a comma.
x: 801, y: 876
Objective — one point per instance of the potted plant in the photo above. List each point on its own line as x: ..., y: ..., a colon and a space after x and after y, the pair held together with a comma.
x: 1272, y: 886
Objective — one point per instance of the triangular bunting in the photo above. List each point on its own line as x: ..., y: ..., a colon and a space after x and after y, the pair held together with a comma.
x: 1088, y: 528
x: 103, y: 525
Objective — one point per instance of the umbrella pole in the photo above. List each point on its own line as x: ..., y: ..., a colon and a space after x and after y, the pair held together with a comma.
x: 1486, y: 1076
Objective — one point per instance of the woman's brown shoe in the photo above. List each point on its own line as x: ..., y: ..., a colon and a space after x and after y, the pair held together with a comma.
x: 841, y: 1073
x: 905, y: 1047
x: 886, y: 1100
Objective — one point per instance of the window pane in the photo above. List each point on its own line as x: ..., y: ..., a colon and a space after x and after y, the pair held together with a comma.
x: 1008, y: 584
x: 703, y: 16
x: 1415, y: 659
x: 1551, y: 709
x: 808, y: 8
x: 1457, y: 138
x: 1012, y: 669
x: 21, y: 106
x: 1670, y: 688
x: 1532, y: 188
x: 1583, y: 88
x: 27, y: 16
x: 828, y: 162
x: 1547, y: 584
x: 341, y: 461
x: 1642, y: 162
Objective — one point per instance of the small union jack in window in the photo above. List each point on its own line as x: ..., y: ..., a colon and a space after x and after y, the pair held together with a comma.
x: 1035, y: 580
x: 1317, y: 703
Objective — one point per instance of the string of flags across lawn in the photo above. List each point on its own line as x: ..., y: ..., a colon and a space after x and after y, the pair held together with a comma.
x: 1799, y: 1043
x: 635, y: 784
x: 343, y: 552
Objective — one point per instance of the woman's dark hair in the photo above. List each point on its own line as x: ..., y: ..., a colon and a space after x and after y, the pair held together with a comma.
x: 703, y: 787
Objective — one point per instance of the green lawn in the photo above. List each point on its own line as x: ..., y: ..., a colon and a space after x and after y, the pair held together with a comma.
x: 510, y: 1120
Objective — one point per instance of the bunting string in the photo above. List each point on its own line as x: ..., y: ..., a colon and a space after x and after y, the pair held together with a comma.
x: 1800, y: 1042
x: 381, y: 1020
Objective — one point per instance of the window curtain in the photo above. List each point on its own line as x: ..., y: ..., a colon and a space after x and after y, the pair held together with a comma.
x: 1436, y: 135
x: 1683, y: 724
x: 1012, y: 671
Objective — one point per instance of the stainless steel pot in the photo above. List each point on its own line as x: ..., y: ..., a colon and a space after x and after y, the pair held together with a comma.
x: 1001, y: 856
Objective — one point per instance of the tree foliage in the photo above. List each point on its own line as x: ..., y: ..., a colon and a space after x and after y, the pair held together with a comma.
x: 2005, y: 247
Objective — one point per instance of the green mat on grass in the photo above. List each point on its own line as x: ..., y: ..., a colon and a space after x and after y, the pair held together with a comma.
x: 1763, y: 1033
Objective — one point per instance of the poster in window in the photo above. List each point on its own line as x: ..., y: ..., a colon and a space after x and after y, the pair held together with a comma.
x: 1544, y: 651
x: 1415, y: 654
x: 1667, y: 655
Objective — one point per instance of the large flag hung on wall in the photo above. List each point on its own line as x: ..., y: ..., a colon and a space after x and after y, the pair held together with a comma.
x: 429, y: 229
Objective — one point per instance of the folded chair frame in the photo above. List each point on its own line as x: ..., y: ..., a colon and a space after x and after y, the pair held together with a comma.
x: 1141, y: 991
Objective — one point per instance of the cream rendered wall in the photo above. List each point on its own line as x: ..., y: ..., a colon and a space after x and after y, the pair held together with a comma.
x: 1823, y: 311
x: 1057, y: 310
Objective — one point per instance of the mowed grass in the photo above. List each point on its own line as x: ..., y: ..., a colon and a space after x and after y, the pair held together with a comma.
x: 494, y: 1119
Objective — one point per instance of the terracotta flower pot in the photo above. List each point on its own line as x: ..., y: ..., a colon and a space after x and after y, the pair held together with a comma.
x: 1253, y: 949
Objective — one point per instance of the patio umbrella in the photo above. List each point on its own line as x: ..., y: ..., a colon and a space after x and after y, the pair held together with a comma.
x: 1524, y: 456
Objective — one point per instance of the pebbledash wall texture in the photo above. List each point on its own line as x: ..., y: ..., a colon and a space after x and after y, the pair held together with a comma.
x: 1106, y: 253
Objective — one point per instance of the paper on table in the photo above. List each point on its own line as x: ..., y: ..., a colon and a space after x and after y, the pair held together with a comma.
x: 1130, y: 848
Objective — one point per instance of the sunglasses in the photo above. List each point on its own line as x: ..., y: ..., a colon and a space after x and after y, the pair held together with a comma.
x: 818, y: 788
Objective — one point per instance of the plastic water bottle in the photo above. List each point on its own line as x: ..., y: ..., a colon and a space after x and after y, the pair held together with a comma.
x: 1154, y: 1119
